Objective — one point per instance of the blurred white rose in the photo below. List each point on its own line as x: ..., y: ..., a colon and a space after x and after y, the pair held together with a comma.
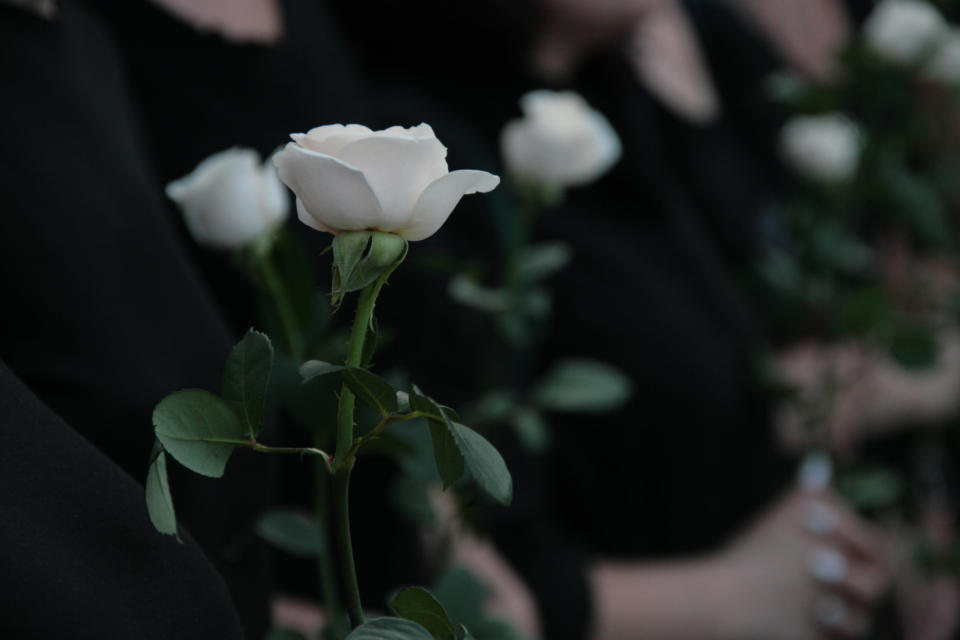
x: 903, y: 30
x: 231, y: 199
x: 944, y: 65
x: 825, y: 148
x: 561, y: 141
x: 349, y: 178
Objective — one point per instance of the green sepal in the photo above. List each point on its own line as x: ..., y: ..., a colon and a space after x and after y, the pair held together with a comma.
x: 361, y: 257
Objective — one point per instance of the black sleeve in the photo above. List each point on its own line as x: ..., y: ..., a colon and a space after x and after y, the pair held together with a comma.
x: 80, y: 557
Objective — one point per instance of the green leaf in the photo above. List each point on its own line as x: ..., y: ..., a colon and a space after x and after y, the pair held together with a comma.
x: 245, y: 379
x: 484, y: 462
x: 198, y: 429
x: 540, y: 261
x: 371, y: 389
x: 285, y: 634
x: 418, y: 605
x: 450, y: 462
x: 159, y: 500
x: 469, y: 293
x: 313, y: 368
x: 291, y: 531
x: 531, y: 429
x: 457, y: 447
x: 871, y: 488
x: 390, y: 629
x: 463, y: 634
x: 583, y: 385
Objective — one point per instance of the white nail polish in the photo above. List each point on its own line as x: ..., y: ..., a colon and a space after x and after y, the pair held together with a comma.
x: 830, y: 611
x: 816, y: 471
x: 820, y: 519
x: 827, y: 565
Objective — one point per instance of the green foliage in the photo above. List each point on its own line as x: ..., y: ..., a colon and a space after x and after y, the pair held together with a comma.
x: 583, y: 385
x: 418, y: 605
x: 871, y: 488
x: 389, y: 629
x: 457, y: 447
x: 159, y: 501
x: 314, y: 368
x: 470, y: 293
x: 531, y: 429
x: 285, y: 634
x: 540, y: 261
x: 198, y: 429
x: 246, y: 377
x: 361, y: 257
x: 371, y: 389
x: 464, y: 598
x: 291, y: 531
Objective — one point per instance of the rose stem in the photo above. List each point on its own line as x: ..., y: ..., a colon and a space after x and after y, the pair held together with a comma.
x: 344, y: 458
x: 277, y: 290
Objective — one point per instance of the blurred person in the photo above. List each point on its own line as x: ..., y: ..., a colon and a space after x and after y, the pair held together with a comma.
x: 651, y: 501
x: 80, y: 558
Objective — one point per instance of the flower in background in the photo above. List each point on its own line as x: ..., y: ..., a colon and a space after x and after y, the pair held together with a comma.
x: 944, y: 65
x: 824, y: 148
x: 231, y: 199
x: 350, y: 178
x: 904, y: 30
x: 561, y: 141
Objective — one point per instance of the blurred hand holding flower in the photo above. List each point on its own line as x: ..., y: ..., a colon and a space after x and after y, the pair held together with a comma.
x: 230, y: 199
x: 350, y: 178
x: 561, y: 141
x: 824, y: 148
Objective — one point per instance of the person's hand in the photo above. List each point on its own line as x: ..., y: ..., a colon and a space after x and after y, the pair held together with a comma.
x: 854, y: 392
x: 809, y: 568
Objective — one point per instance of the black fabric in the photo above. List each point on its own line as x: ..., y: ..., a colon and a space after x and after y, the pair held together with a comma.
x: 80, y: 558
x: 105, y: 313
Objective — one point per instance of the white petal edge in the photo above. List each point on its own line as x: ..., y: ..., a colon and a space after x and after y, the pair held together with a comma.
x: 337, y: 195
x: 438, y: 201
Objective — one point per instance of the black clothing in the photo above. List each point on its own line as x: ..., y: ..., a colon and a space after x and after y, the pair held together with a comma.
x: 80, y: 558
x: 105, y: 313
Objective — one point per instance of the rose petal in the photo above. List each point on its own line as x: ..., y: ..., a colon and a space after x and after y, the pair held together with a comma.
x: 310, y: 221
x: 329, y: 139
x: 398, y: 169
x: 335, y: 194
x: 275, y: 203
x: 438, y: 200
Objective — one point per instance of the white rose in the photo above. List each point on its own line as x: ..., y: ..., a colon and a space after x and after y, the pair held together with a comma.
x: 230, y: 199
x: 903, y: 30
x: 560, y: 141
x: 349, y: 178
x: 825, y: 148
x: 944, y: 65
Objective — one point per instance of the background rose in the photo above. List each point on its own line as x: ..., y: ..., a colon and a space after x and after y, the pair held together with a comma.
x: 944, y: 64
x: 349, y: 178
x: 561, y: 141
x: 230, y: 199
x: 903, y: 30
x: 825, y: 147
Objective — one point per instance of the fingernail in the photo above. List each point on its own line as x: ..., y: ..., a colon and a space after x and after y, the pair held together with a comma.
x: 815, y: 473
x: 827, y: 565
x: 830, y: 611
x: 820, y: 519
